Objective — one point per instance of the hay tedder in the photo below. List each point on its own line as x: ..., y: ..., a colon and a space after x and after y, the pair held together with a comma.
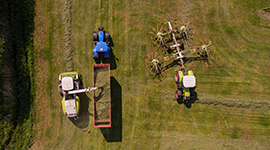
x: 185, y: 79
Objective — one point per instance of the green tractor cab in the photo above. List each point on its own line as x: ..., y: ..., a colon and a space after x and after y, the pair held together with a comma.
x: 68, y: 87
x: 185, y: 82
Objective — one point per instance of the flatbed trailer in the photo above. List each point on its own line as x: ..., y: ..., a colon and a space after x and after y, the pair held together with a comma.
x: 102, y: 96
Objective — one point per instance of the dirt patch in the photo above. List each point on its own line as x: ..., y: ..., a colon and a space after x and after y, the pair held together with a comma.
x: 67, y: 36
x: 263, y: 14
x: 102, y: 94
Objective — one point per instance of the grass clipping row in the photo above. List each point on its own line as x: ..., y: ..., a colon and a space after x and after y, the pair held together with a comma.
x: 102, y: 94
x: 67, y: 36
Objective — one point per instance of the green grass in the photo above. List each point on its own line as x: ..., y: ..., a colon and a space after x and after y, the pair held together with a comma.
x: 233, y: 93
x: 17, y: 74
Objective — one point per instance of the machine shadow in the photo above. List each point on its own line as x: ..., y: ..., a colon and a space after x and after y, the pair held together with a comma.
x: 188, y: 60
x: 191, y: 59
x: 114, y: 134
x: 190, y: 102
x: 207, y: 62
x: 170, y: 65
x: 84, y: 114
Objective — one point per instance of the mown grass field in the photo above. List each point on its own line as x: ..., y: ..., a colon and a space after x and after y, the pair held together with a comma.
x: 232, y: 110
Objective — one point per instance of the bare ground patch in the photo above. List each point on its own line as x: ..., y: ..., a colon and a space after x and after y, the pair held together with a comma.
x: 263, y: 14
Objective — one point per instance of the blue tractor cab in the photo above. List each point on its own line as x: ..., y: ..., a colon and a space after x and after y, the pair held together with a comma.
x: 101, y: 41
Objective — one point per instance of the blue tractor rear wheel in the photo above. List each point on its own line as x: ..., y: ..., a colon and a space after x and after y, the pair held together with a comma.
x: 107, y: 37
x: 95, y: 37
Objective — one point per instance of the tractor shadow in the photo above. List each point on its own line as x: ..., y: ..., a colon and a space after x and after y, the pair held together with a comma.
x: 84, y: 114
x: 112, y: 59
x: 114, y: 134
x: 190, y: 102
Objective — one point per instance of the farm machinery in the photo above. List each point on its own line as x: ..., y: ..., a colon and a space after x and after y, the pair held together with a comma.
x: 182, y: 29
x: 101, y: 41
x: 101, y: 79
x: 185, y: 79
x: 69, y: 87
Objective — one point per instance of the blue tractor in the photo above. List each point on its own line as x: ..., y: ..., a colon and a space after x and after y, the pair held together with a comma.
x: 102, y: 41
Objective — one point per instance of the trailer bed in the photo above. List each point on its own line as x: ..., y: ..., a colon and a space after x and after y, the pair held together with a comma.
x: 102, y: 96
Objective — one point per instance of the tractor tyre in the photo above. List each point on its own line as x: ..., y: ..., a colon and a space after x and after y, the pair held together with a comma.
x: 192, y: 93
x: 178, y: 95
x: 179, y: 86
x: 107, y: 37
x: 176, y: 77
x: 95, y: 37
x: 77, y: 85
x: 60, y: 90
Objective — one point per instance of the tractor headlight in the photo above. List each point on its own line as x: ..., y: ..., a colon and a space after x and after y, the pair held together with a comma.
x: 101, y: 49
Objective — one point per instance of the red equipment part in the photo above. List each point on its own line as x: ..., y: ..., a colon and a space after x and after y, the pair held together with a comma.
x: 101, y: 123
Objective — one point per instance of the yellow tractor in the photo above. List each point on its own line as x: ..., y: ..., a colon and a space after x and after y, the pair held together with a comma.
x: 68, y: 87
x: 185, y: 82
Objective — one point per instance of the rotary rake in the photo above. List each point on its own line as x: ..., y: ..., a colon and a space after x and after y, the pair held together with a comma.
x: 185, y: 80
x: 184, y: 29
x: 159, y: 36
x: 156, y: 65
x: 204, y: 51
x: 176, y: 30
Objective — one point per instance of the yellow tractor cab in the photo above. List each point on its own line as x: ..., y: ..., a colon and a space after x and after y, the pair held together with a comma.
x: 186, y: 82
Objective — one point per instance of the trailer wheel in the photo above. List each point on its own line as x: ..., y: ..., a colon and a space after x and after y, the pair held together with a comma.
x: 95, y: 36
x: 178, y: 94
x: 168, y: 47
x: 181, y: 45
x: 176, y: 77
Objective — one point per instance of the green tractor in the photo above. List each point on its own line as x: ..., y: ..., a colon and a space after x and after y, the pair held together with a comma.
x: 68, y: 87
x: 185, y: 82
